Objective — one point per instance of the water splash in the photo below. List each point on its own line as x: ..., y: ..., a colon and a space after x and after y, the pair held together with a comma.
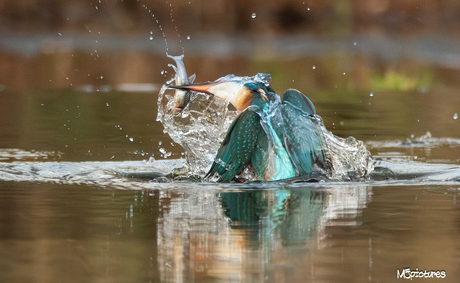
x: 351, y: 160
x: 159, y: 26
x: 200, y: 127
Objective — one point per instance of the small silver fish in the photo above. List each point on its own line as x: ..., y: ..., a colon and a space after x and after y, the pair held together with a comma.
x: 181, y: 97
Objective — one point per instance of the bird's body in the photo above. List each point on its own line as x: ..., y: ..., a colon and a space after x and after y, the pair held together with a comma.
x: 274, y: 163
x: 280, y: 139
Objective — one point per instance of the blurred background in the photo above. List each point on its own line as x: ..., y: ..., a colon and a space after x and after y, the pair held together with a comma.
x: 375, y: 69
x: 79, y: 81
x: 121, y: 35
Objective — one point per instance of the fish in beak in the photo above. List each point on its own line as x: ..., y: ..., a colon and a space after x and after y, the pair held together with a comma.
x: 181, y: 97
x: 234, y: 92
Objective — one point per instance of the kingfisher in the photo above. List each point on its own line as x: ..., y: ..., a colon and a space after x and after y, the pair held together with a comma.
x: 280, y: 139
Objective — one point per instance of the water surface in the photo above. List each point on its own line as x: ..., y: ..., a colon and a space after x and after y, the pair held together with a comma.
x: 78, y: 233
x: 67, y: 216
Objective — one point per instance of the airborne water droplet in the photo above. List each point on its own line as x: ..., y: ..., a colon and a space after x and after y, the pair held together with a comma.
x: 253, y: 15
x: 314, y: 67
x: 151, y: 37
x: 455, y: 116
x: 371, y: 94
x: 188, y: 37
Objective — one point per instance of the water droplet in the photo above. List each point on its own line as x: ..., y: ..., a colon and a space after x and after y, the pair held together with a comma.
x: 160, y: 143
x: 253, y: 15
x: 455, y: 116
x: 151, y: 38
x: 151, y: 32
x: 188, y: 37
x: 131, y: 139
x: 371, y: 94
x: 101, y: 77
x: 314, y: 67
x: 165, y: 153
x: 354, y: 43
x: 344, y: 73
x: 59, y: 33
x: 308, y: 9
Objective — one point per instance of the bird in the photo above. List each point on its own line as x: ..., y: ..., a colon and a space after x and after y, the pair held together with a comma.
x: 279, y: 139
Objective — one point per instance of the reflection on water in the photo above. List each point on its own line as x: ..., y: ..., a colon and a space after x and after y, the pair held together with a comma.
x: 240, y: 235
x: 295, y: 233
x: 176, y: 235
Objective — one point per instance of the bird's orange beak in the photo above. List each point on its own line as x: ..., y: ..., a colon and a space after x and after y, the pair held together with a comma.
x: 200, y: 87
x: 230, y: 91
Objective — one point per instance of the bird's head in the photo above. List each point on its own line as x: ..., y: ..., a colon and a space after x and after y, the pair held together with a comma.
x: 239, y: 91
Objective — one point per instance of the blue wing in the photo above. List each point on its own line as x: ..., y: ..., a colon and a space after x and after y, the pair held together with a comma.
x: 238, y: 146
x: 303, y: 137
